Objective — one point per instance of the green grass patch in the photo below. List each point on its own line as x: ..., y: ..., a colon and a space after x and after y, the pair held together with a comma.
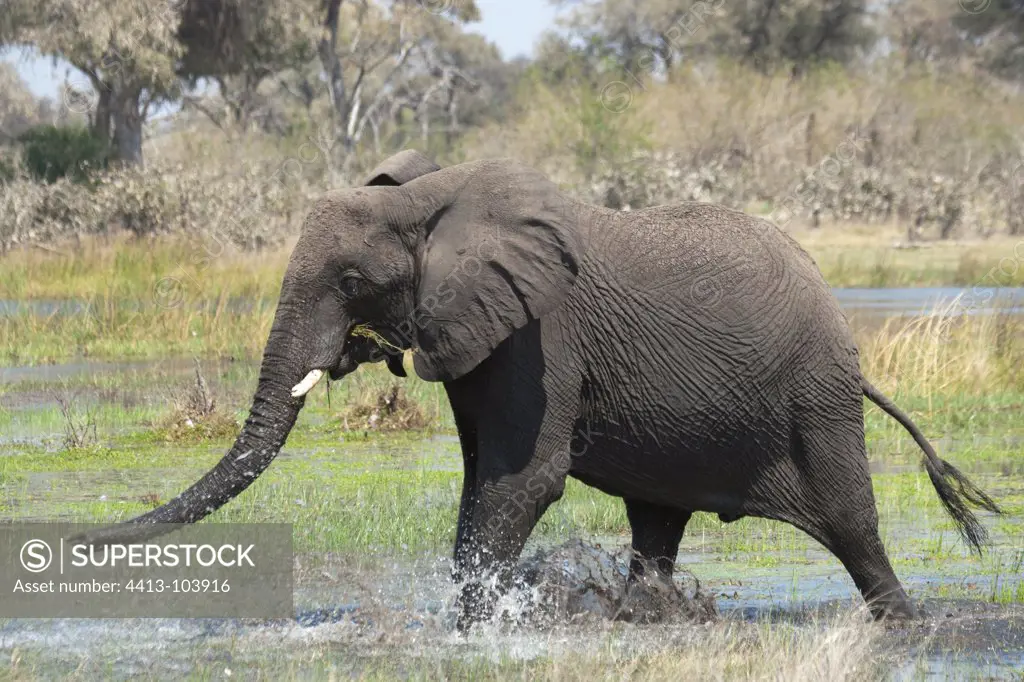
x: 380, y: 501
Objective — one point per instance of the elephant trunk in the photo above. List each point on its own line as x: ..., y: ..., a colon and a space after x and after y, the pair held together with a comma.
x: 271, y: 417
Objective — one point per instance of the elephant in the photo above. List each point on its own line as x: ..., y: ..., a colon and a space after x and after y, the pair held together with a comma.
x: 683, y: 358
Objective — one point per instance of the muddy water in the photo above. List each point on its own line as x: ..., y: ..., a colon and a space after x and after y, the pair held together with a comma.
x: 402, y: 613
x: 402, y: 606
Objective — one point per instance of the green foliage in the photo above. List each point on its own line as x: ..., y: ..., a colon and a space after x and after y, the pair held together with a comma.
x: 52, y: 152
x: 654, y: 36
x: 606, y: 136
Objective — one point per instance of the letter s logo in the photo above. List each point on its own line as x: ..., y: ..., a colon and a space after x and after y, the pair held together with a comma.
x: 36, y: 556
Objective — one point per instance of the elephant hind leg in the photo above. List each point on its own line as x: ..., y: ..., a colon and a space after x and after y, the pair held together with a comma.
x: 839, y: 510
x: 657, y: 532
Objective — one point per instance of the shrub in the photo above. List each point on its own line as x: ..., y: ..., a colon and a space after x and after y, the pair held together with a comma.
x: 52, y: 152
x: 79, y: 424
x: 250, y: 208
x: 388, y: 409
x: 195, y: 416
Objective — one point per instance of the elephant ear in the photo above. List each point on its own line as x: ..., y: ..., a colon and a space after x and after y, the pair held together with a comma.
x: 502, y: 251
x: 401, y: 168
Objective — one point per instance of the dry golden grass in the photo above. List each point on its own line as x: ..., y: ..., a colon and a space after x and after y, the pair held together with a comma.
x: 835, y: 648
x: 951, y: 352
x: 840, y: 650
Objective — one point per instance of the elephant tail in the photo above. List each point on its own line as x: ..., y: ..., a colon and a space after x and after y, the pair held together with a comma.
x: 954, y: 489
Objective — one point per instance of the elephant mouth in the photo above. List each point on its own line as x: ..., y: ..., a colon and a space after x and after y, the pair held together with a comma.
x: 362, y: 344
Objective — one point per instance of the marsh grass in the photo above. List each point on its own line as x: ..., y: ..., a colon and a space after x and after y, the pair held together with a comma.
x: 1007, y: 587
x: 107, y: 328
x: 160, y: 297
x: 864, y: 255
x: 338, y: 503
x: 823, y: 647
x: 950, y: 352
x: 125, y: 268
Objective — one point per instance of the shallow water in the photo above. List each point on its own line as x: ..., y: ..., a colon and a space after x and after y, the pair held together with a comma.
x: 359, y: 608
x: 931, y: 300
x: 891, y: 300
x: 398, y: 606
x: 412, y: 625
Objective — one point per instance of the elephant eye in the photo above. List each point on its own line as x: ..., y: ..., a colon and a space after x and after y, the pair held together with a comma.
x: 351, y: 286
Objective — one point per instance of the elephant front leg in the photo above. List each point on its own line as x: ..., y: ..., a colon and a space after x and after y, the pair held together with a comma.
x: 505, y: 510
x: 468, y: 439
x: 524, y: 406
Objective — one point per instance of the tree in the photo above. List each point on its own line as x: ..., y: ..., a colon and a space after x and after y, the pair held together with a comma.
x: 240, y: 45
x: 127, y: 50
x: 997, y: 28
x: 372, y: 52
x: 653, y: 36
x: 642, y: 37
x: 557, y: 59
x: 770, y: 33
x: 492, y: 82
x: 924, y: 31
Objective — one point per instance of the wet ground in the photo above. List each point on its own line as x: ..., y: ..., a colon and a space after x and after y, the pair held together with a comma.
x: 359, y: 601
x: 351, y: 625
x: 357, y: 608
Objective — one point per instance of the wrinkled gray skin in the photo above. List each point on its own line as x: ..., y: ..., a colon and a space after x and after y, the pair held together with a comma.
x: 684, y: 358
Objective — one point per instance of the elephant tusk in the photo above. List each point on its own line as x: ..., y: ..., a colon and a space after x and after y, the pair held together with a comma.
x: 306, y: 385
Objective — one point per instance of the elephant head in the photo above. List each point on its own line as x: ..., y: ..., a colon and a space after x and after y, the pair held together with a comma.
x: 446, y: 262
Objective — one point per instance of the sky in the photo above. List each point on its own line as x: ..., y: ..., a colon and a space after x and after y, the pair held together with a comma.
x: 514, y: 25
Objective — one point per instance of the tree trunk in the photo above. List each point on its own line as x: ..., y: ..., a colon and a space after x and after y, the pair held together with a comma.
x: 101, y: 117
x: 128, y: 119
x: 332, y: 66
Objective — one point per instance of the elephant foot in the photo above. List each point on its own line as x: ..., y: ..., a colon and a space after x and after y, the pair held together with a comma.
x: 890, y: 604
x: 475, y: 605
x: 895, y: 611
